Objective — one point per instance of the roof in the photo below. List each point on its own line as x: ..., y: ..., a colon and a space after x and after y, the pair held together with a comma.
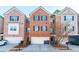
x: 40, y: 7
x: 14, y: 8
x: 67, y: 10
x: 1, y: 17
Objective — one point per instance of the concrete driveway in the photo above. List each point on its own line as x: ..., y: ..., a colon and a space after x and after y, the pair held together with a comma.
x: 49, y: 48
x: 7, y: 47
x: 39, y: 48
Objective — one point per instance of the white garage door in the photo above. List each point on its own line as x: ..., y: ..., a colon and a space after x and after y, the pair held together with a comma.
x: 38, y: 40
x: 13, y: 40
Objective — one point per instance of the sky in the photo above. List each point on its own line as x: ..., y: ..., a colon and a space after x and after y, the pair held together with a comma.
x: 28, y: 9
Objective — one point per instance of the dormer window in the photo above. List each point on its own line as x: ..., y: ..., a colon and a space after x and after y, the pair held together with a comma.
x: 14, y: 18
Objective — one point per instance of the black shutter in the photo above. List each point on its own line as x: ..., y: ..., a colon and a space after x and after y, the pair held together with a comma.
x: 64, y: 18
x: 41, y: 28
x: 46, y: 17
x: 17, y: 18
x: 41, y: 17
x: 46, y: 28
x: 72, y: 18
x: 10, y: 18
x: 33, y: 17
x: 33, y: 28
x: 73, y: 28
x: 38, y: 17
x: 38, y: 28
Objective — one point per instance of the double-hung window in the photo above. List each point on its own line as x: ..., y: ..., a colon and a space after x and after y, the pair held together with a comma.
x: 36, y: 28
x: 43, y: 17
x: 69, y: 18
x: 13, y: 28
x: 36, y: 17
x: 43, y: 28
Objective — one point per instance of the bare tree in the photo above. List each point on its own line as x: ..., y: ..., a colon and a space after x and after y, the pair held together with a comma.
x: 62, y: 32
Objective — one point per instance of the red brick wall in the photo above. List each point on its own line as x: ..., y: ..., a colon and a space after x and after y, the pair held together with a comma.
x: 40, y: 23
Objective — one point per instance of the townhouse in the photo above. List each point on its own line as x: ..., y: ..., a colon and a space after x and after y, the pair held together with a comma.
x: 39, y: 26
x: 1, y: 27
x: 68, y: 16
x: 14, y: 21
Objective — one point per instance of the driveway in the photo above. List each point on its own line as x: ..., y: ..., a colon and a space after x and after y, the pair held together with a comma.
x: 49, y: 48
x: 75, y: 48
x: 7, y: 47
x: 39, y: 48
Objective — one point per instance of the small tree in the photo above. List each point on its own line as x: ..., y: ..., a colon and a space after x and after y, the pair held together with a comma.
x: 62, y: 32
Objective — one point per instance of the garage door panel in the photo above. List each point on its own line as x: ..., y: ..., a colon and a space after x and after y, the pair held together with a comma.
x: 38, y: 40
x: 14, y: 39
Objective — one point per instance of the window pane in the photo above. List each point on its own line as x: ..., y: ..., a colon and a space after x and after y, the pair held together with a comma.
x: 43, y: 17
x: 36, y: 28
x: 44, y: 28
x: 69, y: 18
x: 36, y: 17
x: 13, y: 28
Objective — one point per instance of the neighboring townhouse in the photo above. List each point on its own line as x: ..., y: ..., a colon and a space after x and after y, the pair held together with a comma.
x: 69, y: 17
x: 39, y: 26
x: 1, y: 24
x: 1, y: 27
x: 14, y: 21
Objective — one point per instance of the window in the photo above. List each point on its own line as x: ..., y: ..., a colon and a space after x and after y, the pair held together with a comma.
x: 14, y: 18
x: 36, y: 17
x: 36, y: 28
x: 13, y: 28
x: 43, y: 28
x: 73, y: 28
x: 68, y: 18
x: 43, y: 17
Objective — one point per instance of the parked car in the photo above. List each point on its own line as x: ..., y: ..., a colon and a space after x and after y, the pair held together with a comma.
x: 74, y: 40
x: 3, y: 42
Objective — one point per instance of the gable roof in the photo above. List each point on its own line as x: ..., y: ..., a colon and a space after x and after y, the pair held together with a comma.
x: 67, y: 10
x: 40, y: 7
x: 14, y: 8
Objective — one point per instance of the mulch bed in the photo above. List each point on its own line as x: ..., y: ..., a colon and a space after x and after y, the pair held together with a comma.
x: 59, y: 46
x: 20, y: 46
